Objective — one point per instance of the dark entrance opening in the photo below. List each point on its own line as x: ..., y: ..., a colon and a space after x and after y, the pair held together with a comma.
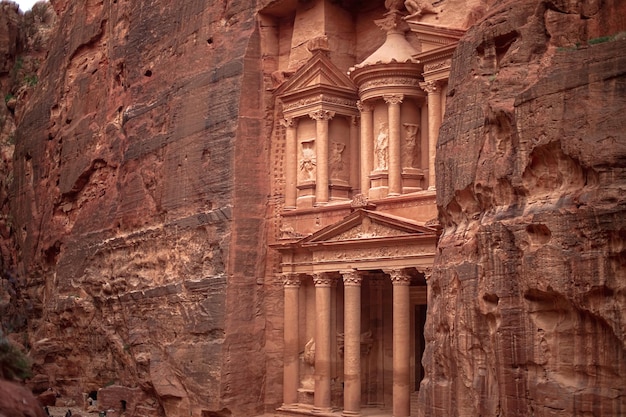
x: 420, y: 343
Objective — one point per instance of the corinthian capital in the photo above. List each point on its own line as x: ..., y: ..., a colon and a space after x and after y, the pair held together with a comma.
x: 431, y: 87
x: 322, y: 115
x: 393, y: 98
x: 291, y: 280
x: 323, y: 279
x: 351, y: 278
x: 399, y: 277
x: 288, y: 122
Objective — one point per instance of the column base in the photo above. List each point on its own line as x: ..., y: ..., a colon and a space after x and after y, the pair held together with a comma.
x: 350, y: 413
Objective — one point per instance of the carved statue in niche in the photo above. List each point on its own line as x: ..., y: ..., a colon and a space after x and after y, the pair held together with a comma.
x: 382, y: 146
x: 308, y: 161
x: 308, y: 358
x: 336, y: 159
x: 418, y: 8
x: 410, y: 141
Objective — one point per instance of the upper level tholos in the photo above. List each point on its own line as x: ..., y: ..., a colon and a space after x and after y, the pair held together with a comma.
x: 360, y: 94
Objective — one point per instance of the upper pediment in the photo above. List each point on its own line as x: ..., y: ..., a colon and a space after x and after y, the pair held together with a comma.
x: 319, y: 74
x: 366, y: 225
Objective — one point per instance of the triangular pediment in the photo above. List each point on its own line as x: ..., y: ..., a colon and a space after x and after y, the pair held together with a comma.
x: 364, y: 225
x: 318, y: 73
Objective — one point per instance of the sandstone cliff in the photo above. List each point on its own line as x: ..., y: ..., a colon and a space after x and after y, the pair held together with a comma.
x: 138, y: 206
x: 527, y: 307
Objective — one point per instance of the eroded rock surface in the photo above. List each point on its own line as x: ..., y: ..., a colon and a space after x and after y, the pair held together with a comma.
x: 138, y: 199
x: 527, y: 307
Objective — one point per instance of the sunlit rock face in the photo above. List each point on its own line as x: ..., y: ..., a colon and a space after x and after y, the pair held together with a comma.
x: 139, y: 248
x: 527, y: 308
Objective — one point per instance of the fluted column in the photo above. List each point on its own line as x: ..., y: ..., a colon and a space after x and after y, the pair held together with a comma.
x: 395, y: 157
x: 434, y: 123
x: 354, y: 156
x: 367, y: 140
x: 401, y: 406
x: 291, y: 162
x: 291, y: 284
x: 323, y: 285
x: 321, y: 118
x: 352, y: 343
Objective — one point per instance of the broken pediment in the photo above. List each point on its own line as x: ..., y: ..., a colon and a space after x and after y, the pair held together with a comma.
x: 368, y: 225
x: 318, y: 83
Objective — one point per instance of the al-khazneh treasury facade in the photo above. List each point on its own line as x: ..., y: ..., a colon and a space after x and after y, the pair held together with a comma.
x: 359, y: 98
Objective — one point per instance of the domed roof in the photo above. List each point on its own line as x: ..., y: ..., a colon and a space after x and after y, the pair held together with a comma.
x: 395, y: 49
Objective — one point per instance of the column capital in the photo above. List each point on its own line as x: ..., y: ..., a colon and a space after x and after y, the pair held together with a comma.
x: 364, y: 107
x: 323, y: 279
x: 399, y: 277
x: 290, y: 280
x: 428, y: 272
x: 431, y: 87
x: 288, y: 122
x: 393, y: 98
x: 351, y: 277
x: 354, y: 120
x: 322, y: 114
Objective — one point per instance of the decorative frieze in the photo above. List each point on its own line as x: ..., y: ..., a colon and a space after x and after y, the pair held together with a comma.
x: 318, y: 99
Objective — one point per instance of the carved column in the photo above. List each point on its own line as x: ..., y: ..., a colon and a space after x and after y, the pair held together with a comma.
x: 354, y: 156
x: 321, y: 118
x: 395, y: 159
x: 323, y: 284
x: 367, y: 140
x: 401, y: 343
x: 291, y: 163
x: 291, y: 284
x: 352, y: 343
x: 434, y: 123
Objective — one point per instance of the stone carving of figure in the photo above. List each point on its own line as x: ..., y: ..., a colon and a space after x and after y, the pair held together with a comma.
x: 393, y: 4
x: 308, y: 162
x: 382, y: 146
x: 410, y: 142
x: 309, y: 353
x: 336, y: 158
x: 418, y: 8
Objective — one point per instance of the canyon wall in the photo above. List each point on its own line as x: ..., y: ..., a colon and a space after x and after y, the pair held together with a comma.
x: 138, y: 206
x: 527, y: 304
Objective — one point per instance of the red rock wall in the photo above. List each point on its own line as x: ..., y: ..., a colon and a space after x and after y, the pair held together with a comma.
x: 139, y: 192
x: 527, y: 307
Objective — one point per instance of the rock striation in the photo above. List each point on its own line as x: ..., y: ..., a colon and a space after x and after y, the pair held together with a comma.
x: 138, y: 205
x: 527, y: 303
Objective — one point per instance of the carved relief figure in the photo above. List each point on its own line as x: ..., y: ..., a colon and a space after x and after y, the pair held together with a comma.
x: 382, y: 146
x: 418, y: 8
x: 336, y: 159
x: 308, y: 162
x: 409, y: 144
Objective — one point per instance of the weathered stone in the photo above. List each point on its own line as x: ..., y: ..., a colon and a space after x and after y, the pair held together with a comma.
x: 17, y: 401
x: 523, y: 313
